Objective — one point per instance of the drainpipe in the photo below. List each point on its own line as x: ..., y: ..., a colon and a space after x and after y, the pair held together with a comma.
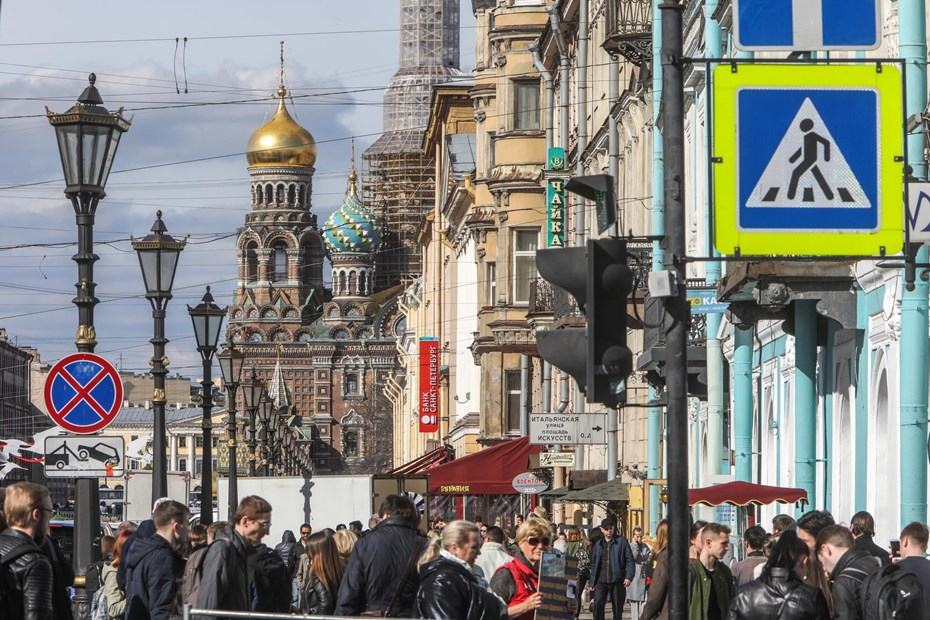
x: 613, y: 138
x: 742, y: 403
x: 805, y: 398
x: 581, y: 86
x: 550, y: 92
x: 912, y: 31
x: 715, y: 408
x: 524, y: 395
x: 654, y: 415
x: 562, y: 46
x: 546, y: 387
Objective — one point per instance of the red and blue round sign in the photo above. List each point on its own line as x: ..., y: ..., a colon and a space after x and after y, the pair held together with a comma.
x: 83, y: 393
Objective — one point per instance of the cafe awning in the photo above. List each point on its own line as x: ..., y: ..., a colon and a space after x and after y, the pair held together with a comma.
x: 743, y: 493
x: 486, y: 472
x: 610, y: 491
x: 422, y: 462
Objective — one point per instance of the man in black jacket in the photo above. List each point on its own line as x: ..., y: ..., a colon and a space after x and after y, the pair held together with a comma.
x: 373, y: 576
x: 155, y: 567
x: 847, y: 566
x: 862, y: 527
x: 28, y: 508
x: 612, y: 570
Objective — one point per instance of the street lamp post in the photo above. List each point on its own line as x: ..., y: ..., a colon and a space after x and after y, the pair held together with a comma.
x: 207, y: 318
x: 231, y: 362
x: 158, y: 257
x: 252, y: 392
x: 88, y: 136
x: 265, y: 411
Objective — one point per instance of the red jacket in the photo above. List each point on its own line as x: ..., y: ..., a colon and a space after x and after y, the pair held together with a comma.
x: 527, y: 584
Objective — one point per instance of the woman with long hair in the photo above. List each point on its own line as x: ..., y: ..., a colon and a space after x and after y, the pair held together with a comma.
x: 781, y: 591
x: 116, y: 598
x: 327, y: 569
x: 517, y: 581
x: 345, y: 540
x: 657, y: 595
x: 449, y: 588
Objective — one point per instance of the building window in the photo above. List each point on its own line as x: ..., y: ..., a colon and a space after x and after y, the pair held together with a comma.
x: 525, y: 243
x: 321, y: 407
x: 182, y: 464
x: 251, y: 263
x: 182, y: 442
x: 198, y: 441
x: 512, y: 422
x: 350, y: 444
x: 491, y: 158
x: 198, y: 467
x: 491, y: 284
x: 352, y: 384
x: 214, y: 441
x: 526, y: 104
x: 279, y: 251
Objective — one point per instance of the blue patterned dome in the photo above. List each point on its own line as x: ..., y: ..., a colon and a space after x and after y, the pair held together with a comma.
x: 353, y: 227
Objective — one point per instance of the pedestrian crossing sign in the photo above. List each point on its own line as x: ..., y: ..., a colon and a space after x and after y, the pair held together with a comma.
x: 814, y: 165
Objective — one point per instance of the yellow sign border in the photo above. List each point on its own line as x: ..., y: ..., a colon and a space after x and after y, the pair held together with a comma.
x: 729, y: 239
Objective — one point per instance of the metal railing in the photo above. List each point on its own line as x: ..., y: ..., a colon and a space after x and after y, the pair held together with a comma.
x: 629, y: 29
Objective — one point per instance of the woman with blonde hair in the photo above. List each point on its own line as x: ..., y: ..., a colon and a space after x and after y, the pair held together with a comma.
x: 345, y: 540
x: 448, y: 585
x: 326, y: 571
x: 657, y: 594
x: 517, y: 582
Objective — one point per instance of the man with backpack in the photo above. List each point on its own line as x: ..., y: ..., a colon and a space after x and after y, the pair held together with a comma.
x: 25, y: 573
x: 914, y: 538
x: 848, y: 567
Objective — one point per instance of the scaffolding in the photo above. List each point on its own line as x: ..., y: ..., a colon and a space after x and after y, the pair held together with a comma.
x: 397, y: 177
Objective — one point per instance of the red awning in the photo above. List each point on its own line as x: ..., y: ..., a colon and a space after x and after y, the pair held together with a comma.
x: 743, y: 493
x: 486, y: 472
x: 421, y: 462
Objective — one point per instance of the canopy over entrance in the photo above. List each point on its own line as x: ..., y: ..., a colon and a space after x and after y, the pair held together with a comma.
x: 744, y: 493
x: 610, y: 491
x: 486, y: 472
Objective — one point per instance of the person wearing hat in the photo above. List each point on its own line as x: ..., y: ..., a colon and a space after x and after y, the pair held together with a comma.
x: 612, y: 570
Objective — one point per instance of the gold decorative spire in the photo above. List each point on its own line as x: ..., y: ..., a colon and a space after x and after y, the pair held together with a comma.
x: 353, y: 178
x: 282, y: 92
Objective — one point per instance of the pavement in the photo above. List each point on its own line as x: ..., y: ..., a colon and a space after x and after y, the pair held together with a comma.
x: 587, y: 615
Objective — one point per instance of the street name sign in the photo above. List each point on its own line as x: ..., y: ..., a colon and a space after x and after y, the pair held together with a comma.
x: 806, y: 25
x: 568, y: 428
x: 815, y: 163
x: 918, y: 211
x: 83, y: 393
x: 84, y: 456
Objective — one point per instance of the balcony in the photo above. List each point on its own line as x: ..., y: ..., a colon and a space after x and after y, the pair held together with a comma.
x: 629, y: 29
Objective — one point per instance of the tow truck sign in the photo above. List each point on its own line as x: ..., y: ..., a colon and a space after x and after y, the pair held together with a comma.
x: 84, y: 456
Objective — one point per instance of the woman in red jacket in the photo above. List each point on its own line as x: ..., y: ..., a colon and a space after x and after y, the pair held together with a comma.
x: 517, y: 582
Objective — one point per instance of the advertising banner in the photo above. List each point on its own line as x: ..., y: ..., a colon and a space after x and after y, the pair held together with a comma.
x: 429, y: 385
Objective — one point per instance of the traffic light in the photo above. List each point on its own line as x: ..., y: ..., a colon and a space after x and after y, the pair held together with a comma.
x: 597, y: 355
x: 600, y: 189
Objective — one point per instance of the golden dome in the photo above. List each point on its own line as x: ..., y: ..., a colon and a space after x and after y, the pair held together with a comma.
x: 281, y: 141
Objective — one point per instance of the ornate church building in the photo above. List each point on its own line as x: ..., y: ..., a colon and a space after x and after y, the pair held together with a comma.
x: 331, y: 347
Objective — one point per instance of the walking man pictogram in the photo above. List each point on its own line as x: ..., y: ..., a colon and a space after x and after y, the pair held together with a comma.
x: 809, y: 162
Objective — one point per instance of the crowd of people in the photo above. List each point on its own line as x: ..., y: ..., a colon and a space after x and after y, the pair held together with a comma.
x: 809, y: 569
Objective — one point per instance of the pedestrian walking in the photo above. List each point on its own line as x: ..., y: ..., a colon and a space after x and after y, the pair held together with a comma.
x: 155, y: 566
x: 448, y: 586
x: 517, y: 582
x: 493, y: 555
x: 193, y: 567
x: 712, y: 587
x: 783, y: 523
x: 753, y: 540
x: 114, y: 596
x: 914, y: 538
x: 612, y: 570
x: 780, y: 592
x: 325, y: 575
x: 847, y: 567
x: 862, y: 527
x: 657, y: 595
x: 345, y: 541
x: 378, y: 561
x: 809, y: 526
x: 28, y: 579
x: 642, y: 555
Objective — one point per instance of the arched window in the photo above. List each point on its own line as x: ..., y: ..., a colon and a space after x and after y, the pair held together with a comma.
x: 352, y: 384
x: 279, y: 258
x: 350, y: 444
x: 353, y: 283
x: 362, y: 283
x: 251, y: 263
x: 342, y: 281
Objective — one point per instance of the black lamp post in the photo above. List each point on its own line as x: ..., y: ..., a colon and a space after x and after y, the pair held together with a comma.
x: 207, y: 318
x: 265, y: 411
x: 88, y: 136
x: 252, y: 392
x: 231, y: 361
x: 158, y: 257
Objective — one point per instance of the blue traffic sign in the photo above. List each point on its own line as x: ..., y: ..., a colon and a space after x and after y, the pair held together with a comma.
x: 804, y: 25
x: 83, y: 393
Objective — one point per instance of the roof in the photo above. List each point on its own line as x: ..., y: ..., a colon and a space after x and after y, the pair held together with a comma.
x: 743, y: 493
x: 610, y: 491
x: 487, y: 472
x: 143, y: 416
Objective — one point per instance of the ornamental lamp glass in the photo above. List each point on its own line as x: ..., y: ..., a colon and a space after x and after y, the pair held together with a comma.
x: 265, y: 409
x: 158, y: 257
x: 88, y: 136
x: 207, y: 318
x: 252, y: 391
x: 231, y: 361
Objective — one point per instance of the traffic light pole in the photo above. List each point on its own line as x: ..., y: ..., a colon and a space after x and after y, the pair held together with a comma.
x: 676, y: 308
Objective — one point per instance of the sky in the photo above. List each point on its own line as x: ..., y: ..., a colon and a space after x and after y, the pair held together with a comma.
x: 193, y: 108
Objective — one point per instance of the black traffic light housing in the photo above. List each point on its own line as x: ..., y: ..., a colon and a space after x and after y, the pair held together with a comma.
x: 599, y: 278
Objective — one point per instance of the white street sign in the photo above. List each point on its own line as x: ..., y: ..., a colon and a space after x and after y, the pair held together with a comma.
x: 84, y: 456
x: 568, y: 428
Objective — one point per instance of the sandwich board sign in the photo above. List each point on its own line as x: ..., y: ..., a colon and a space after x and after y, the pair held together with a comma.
x: 815, y: 164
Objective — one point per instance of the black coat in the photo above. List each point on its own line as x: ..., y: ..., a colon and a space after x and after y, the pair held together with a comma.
x: 867, y: 543
x: 31, y: 578
x: 375, y: 567
x: 153, y: 573
x: 846, y: 582
x: 782, y: 596
x: 225, y: 582
x: 621, y: 560
x: 146, y: 530
x: 448, y: 590
x: 317, y: 600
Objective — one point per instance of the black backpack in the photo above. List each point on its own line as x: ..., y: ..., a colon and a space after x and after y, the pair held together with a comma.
x: 271, y: 581
x: 892, y: 592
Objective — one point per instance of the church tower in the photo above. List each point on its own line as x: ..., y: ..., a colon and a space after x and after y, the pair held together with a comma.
x: 399, y: 180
